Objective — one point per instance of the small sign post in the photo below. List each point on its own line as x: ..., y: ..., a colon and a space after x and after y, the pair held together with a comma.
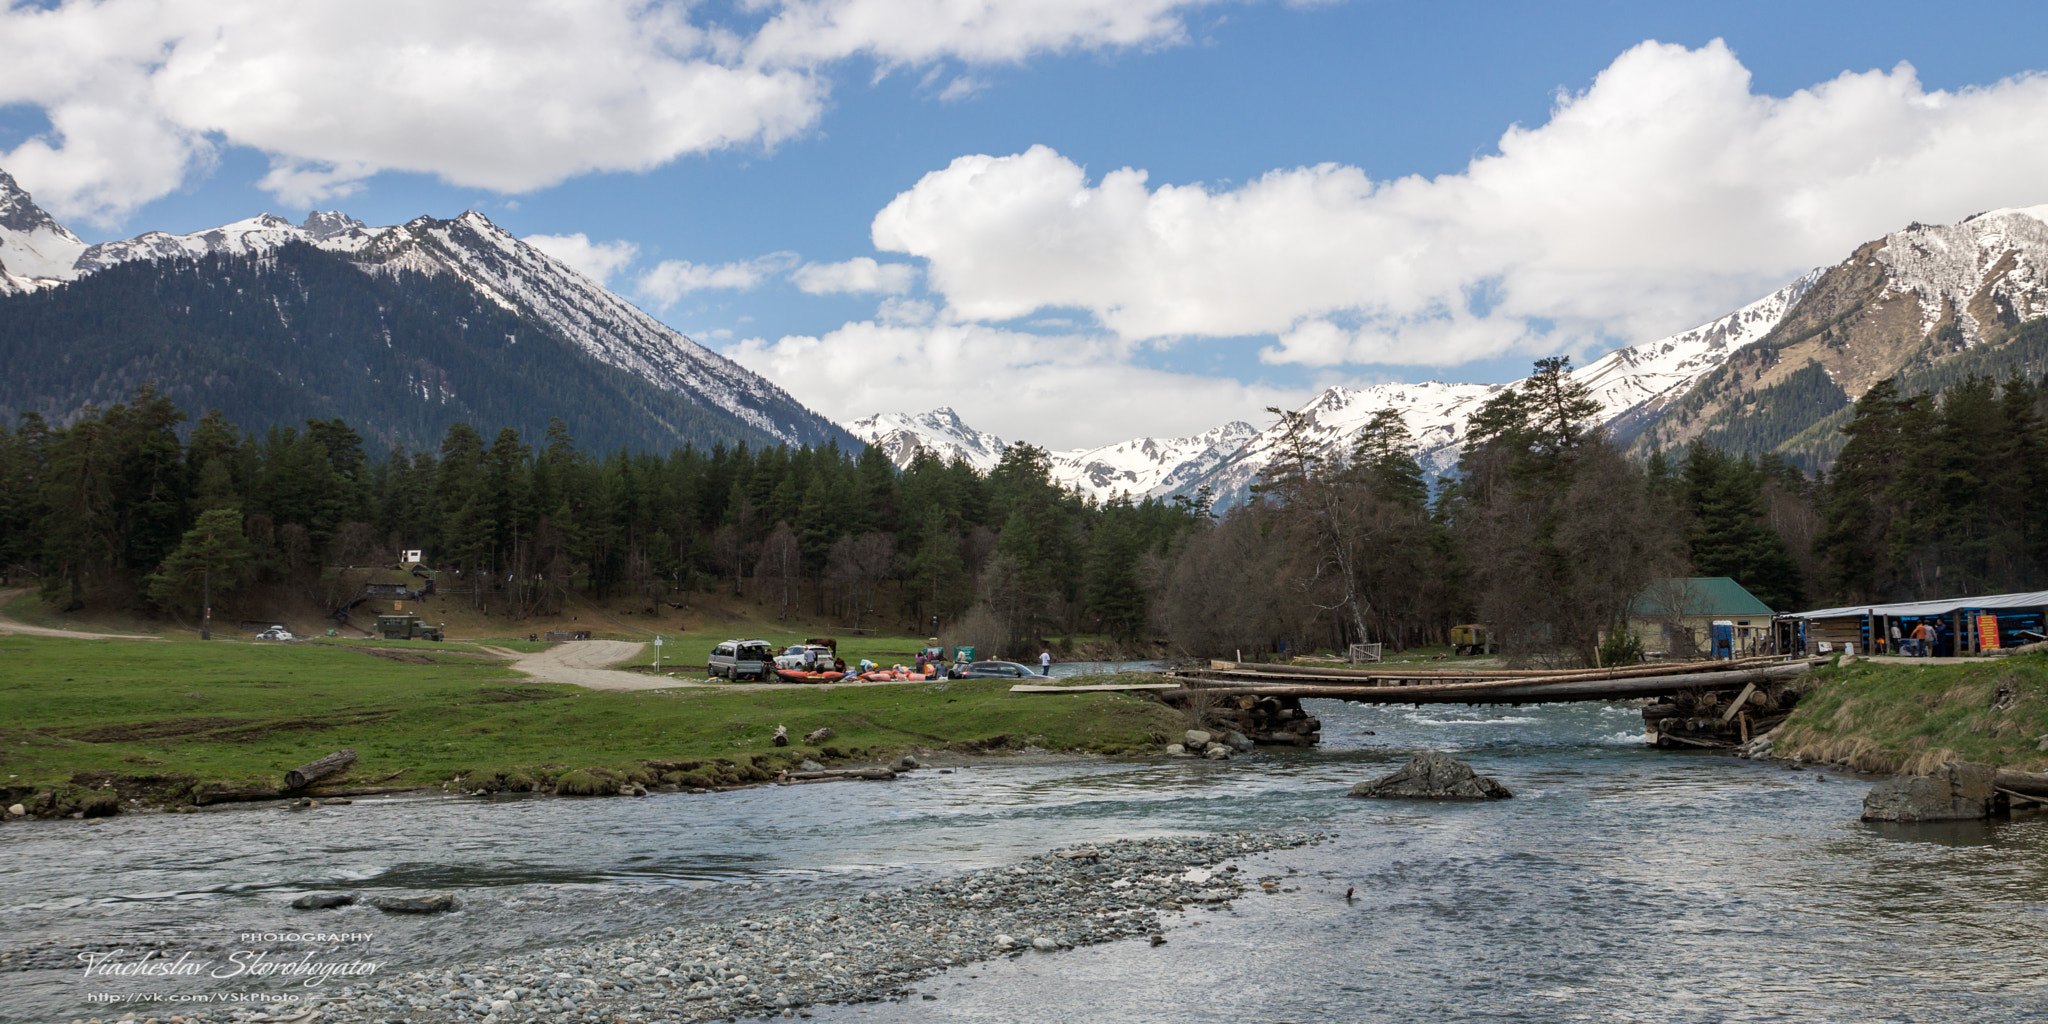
x: 657, y: 651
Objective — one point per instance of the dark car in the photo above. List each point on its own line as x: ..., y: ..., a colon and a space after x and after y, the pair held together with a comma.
x: 998, y: 670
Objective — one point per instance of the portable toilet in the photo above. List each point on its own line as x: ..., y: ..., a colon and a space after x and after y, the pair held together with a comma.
x: 1723, y: 646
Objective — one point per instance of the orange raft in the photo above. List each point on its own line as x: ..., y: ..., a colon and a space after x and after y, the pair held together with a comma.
x: 791, y: 675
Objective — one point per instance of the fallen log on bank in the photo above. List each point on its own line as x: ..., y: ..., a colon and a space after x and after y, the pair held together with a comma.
x: 307, y: 774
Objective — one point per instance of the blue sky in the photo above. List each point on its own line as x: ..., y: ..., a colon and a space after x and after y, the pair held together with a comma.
x: 1002, y: 308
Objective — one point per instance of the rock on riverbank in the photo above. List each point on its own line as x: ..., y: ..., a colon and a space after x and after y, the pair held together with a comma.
x: 843, y: 950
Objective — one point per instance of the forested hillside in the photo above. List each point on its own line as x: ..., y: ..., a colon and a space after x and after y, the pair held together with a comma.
x: 305, y: 334
x: 1547, y: 535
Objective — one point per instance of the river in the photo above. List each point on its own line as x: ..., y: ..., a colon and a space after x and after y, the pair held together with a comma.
x: 1621, y: 884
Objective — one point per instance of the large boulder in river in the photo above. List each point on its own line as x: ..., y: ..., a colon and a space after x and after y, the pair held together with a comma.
x: 1956, y: 791
x: 1433, y: 775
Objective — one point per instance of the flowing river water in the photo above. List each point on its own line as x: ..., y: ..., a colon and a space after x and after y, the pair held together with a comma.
x: 1620, y: 884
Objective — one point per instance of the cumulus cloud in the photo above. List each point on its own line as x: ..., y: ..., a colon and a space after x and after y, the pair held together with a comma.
x: 860, y: 275
x: 507, y: 95
x: 1663, y: 195
x: 597, y: 260
x: 670, y: 280
x: 1060, y: 391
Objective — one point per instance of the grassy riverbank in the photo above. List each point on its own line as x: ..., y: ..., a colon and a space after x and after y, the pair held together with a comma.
x: 173, y: 721
x: 1911, y: 717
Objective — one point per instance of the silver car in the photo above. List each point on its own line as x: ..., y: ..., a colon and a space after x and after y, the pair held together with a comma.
x: 741, y: 659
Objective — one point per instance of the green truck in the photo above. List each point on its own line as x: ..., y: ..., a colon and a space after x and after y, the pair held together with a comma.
x: 406, y: 627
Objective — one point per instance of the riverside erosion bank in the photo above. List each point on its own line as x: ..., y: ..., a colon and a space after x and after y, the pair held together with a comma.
x: 842, y: 950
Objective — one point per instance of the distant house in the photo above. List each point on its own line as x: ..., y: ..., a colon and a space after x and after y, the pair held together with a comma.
x: 1674, y: 617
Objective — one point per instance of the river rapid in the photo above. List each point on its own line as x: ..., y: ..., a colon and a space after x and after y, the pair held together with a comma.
x: 1620, y: 884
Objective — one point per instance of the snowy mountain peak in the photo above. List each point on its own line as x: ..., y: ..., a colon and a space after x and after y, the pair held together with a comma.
x: 321, y: 226
x: 509, y: 272
x: 1148, y: 467
x: 1993, y: 266
x: 940, y: 431
x: 35, y: 251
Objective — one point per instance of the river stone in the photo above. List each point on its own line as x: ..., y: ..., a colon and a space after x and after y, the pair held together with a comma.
x: 433, y: 904
x: 1197, y: 739
x: 908, y: 763
x: 1433, y: 775
x: 1217, y: 752
x: 1172, y: 750
x: 18, y: 810
x: 1956, y: 791
x: 1239, y: 742
x: 811, y: 766
x: 322, y: 901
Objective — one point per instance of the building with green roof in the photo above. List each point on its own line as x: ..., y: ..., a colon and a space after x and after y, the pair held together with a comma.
x: 1674, y: 617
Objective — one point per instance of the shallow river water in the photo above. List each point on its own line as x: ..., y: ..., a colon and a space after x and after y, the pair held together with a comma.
x: 1620, y: 884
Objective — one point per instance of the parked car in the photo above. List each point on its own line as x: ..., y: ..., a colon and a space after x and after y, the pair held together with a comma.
x: 793, y: 657
x: 741, y: 659
x: 276, y: 633
x: 998, y: 670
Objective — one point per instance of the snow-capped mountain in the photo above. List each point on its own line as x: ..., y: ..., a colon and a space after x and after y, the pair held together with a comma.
x: 1144, y: 467
x: 36, y: 252
x: 1903, y: 308
x: 1631, y: 384
x: 1148, y: 467
x: 939, y: 431
x: 1991, y: 270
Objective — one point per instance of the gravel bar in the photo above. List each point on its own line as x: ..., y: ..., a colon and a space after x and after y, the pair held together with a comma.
x: 842, y: 950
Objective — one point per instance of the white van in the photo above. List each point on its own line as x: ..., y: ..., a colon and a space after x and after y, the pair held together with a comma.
x: 741, y: 659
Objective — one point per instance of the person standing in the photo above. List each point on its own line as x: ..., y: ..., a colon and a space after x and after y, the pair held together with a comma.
x: 1922, y: 639
x: 1045, y: 663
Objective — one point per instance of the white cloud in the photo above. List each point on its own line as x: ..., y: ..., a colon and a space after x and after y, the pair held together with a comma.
x: 1665, y: 194
x: 860, y: 275
x: 506, y: 95
x: 670, y: 280
x: 989, y: 31
x: 598, y: 260
x: 961, y: 88
x: 1063, y: 391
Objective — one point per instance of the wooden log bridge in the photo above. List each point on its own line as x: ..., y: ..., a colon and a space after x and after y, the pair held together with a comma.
x: 1368, y: 687
x: 1264, y: 701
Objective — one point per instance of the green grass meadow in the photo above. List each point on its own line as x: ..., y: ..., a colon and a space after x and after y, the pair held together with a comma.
x: 1906, y: 717
x: 162, y: 718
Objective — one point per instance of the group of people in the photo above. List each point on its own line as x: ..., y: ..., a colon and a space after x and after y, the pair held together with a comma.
x: 1919, y: 642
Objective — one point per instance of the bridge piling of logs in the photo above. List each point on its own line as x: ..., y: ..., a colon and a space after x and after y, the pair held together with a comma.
x: 1696, y: 704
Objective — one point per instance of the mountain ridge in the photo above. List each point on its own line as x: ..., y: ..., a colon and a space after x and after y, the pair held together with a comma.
x: 513, y: 275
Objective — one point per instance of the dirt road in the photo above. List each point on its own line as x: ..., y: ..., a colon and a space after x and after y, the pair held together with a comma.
x: 8, y: 625
x: 585, y: 663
